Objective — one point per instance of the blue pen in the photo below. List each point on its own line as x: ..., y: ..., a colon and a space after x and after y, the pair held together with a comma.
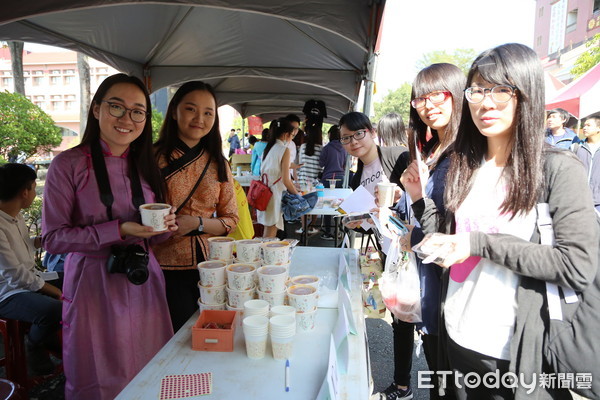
x: 287, y: 375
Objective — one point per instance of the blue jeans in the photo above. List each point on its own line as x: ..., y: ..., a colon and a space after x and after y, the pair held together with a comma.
x: 43, y: 312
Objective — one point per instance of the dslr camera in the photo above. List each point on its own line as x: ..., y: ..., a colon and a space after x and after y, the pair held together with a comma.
x: 130, y: 260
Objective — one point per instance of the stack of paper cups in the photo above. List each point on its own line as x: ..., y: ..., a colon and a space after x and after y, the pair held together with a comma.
x: 283, y: 310
x: 282, y: 329
x: 256, y: 329
x: 256, y: 307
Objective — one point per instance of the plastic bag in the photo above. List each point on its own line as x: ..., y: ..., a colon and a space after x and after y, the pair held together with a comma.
x: 399, y: 284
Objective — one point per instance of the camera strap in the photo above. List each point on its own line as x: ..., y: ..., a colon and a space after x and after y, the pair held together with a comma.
x: 106, y: 196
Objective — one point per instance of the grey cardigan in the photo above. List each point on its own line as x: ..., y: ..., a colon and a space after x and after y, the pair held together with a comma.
x: 573, y: 261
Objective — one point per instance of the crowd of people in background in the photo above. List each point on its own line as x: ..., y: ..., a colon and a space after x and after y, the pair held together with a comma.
x: 473, y: 163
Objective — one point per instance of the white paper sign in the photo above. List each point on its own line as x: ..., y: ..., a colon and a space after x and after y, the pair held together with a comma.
x: 340, y: 337
x: 330, y: 387
x: 344, y: 305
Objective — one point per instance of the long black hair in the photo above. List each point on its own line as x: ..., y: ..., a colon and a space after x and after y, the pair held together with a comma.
x: 436, y: 77
x: 509, y: 64
x: 140, y: 150
x: 14, y: 178
x: 169, y: 132
x: 391, y: 130
x: 314, y: 137
x: 278, y: 128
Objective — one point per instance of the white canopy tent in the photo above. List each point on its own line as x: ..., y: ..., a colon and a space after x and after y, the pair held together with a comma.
x: 263, y: 57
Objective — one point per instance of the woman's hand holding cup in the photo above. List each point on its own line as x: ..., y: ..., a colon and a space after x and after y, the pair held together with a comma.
x: 412, y: 180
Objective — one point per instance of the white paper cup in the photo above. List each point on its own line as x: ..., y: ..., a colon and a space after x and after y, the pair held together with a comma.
x: 302, y: 297
x: 239, y: 310
x: 256, y: 345
x: 249, y: 250
x: 306, y: 321
x: 220, y: 248
x: 241, y: 276
x: 274, y: 299
x: 282, y: 325
x: 203, y: 306
x: 256, y: 307
x: 385, y: 194
x: 212, y: 273
x: 282, y: 346
x: 283, y: 310
x: 272, y: 278
x: 256, y: 325
x: 310, y: 280
x: 237, y: 298
x: 153, y: 214
x: 212, y: 294
x: 276, y: 252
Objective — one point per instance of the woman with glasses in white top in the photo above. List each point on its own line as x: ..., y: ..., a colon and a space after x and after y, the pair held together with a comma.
x: 493, y: 293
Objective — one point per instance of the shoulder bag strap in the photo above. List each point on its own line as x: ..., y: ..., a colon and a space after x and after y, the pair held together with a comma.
x: 106, y: 196
x: 195, y: 186
x: 186, y: 158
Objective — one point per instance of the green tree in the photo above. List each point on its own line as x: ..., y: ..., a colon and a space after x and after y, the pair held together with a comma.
x: 397, y: 101
x: 157, y: 121
x: 589, y: 58
x: 462, y: 58
x: 24, y: 127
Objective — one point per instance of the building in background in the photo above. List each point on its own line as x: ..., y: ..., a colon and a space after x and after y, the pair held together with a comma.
x: 562, y: 27
x: 52, y: 83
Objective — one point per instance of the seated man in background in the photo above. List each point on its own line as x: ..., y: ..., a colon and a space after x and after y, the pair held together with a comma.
x: 24, y: 295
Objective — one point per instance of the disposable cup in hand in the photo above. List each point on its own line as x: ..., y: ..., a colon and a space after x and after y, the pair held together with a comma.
x: 385, y: 194
x: 153, y: 214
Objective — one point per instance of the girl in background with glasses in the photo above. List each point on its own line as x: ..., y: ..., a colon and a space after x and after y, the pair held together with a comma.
x: 436, y: 104
x: 493, y: 293
x: 200, y: 185
x: 105, y: 317
x: 375, y: 164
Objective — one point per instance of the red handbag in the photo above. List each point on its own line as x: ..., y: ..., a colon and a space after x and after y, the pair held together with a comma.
x: 259, y: 193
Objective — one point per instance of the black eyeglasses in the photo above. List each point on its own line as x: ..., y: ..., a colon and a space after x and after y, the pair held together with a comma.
x: 499, y: 93
x: 434, y: 98
x: 118, y: 110
x: 358, y: 135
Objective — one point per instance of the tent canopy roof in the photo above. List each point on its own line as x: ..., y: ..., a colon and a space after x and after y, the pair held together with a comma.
x: 263, y: 57
x: 580, y: 97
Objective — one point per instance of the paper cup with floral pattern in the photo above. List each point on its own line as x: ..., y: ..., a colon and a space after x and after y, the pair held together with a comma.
x: 203, y: 306
x: 302, y: 297
x: 273, y: 298
x: 241, y: 276
x: 212, y: 294
x: 276, y: 252
x: 310, y: 280
x: 272, y: 278
x: 306, y: 321
x: 237, y: 298
x: 153, y: 214
x: 249, y: 250
x: 212, y: 273
x: 220, y: 248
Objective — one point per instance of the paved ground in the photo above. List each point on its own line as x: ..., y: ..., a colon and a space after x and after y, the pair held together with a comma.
x: 379, y: 332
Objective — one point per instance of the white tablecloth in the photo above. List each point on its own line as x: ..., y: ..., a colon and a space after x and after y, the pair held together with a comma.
x: 235, y: 376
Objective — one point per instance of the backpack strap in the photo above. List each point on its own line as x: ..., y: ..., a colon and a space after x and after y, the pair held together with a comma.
x: 544, y: 225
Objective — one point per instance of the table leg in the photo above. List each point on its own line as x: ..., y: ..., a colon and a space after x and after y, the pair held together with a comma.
x: 304, y: 236
x: 335, y: 230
